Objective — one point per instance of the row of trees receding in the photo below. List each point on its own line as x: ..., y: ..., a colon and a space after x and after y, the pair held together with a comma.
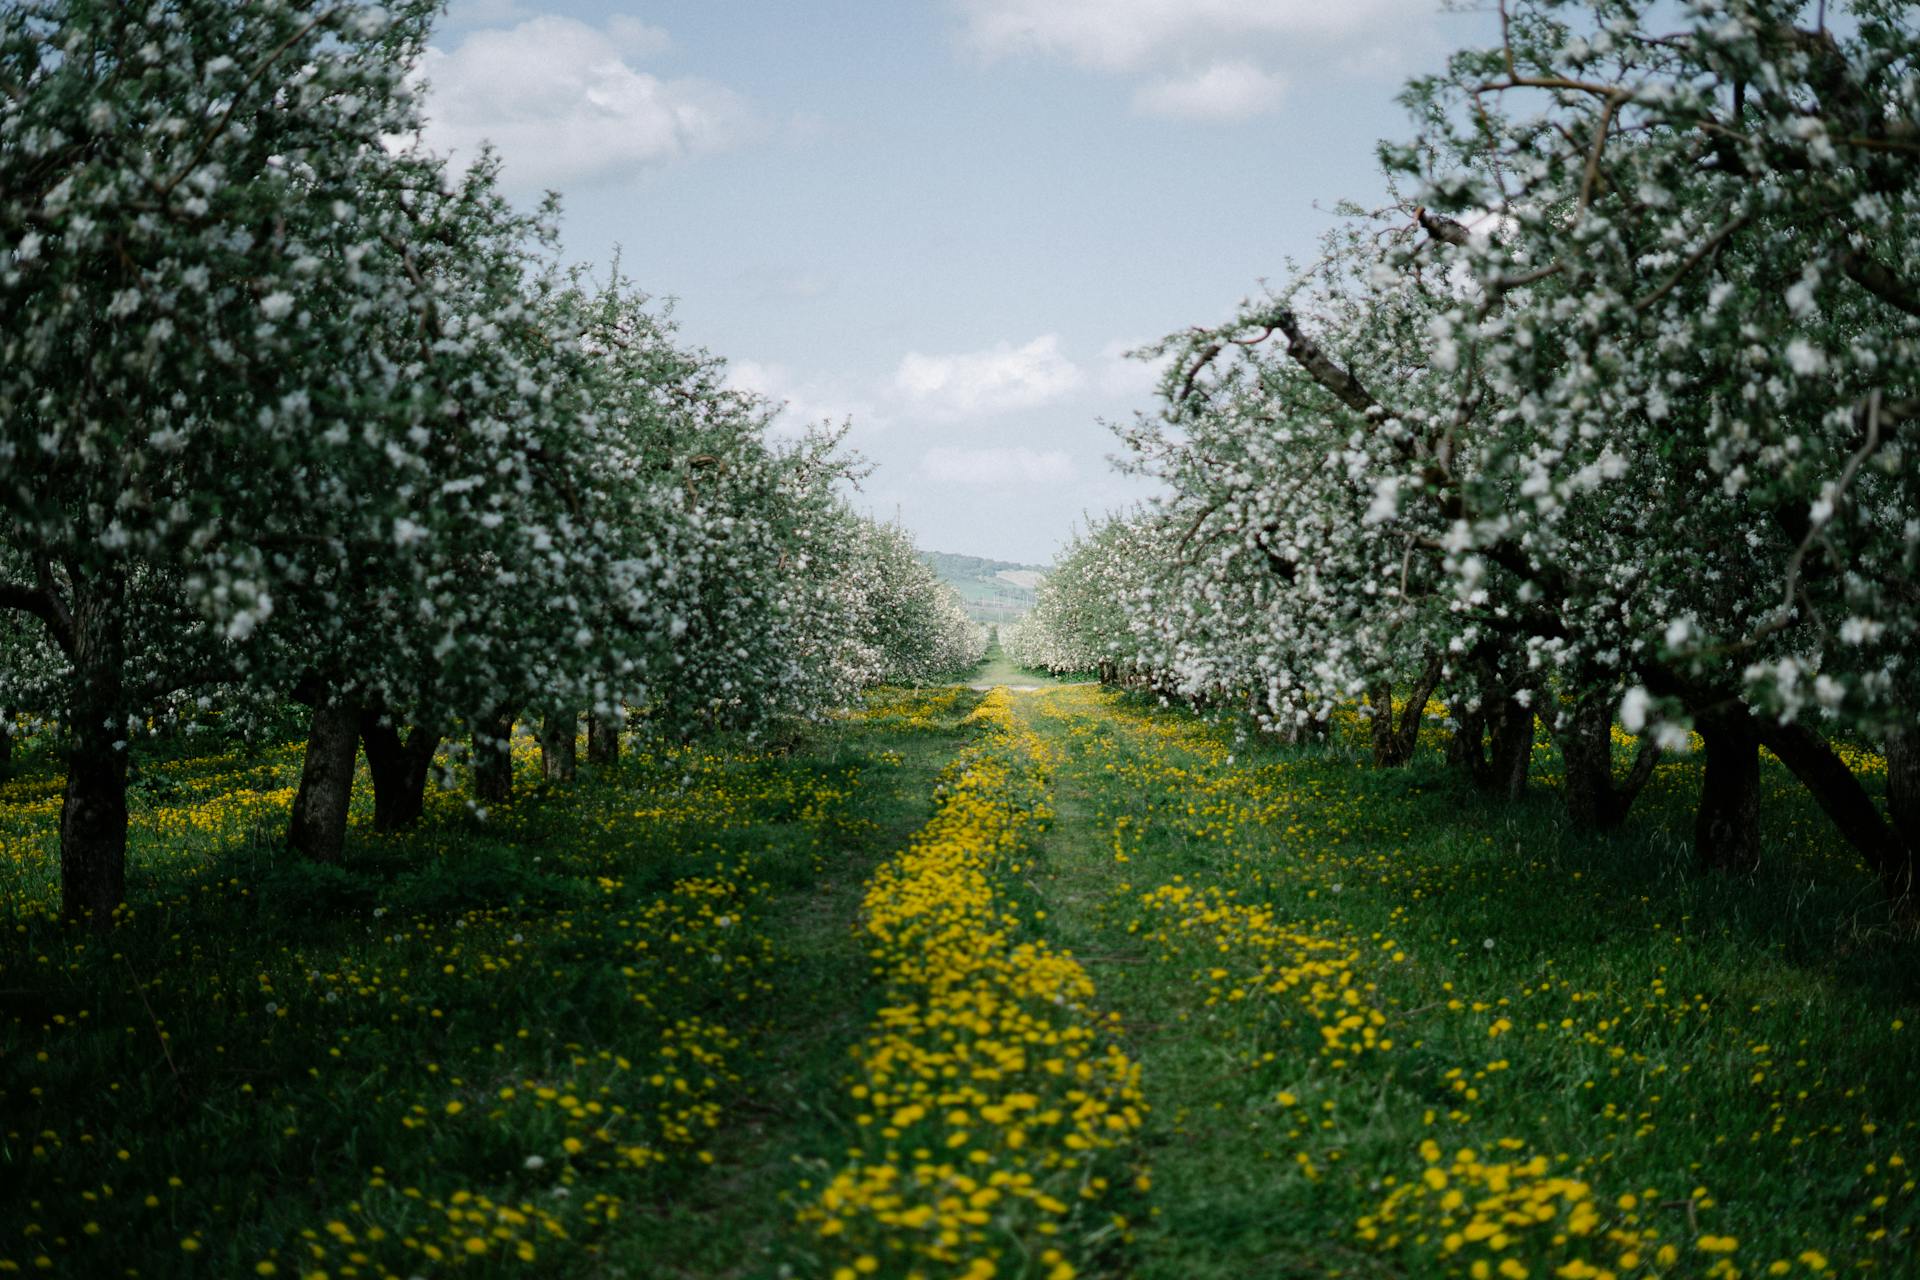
x: 291, y: 410
x: 1614, y: 415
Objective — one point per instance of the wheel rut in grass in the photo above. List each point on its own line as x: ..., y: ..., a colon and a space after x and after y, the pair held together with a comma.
x: 1128, y: 887
x: 791, y: 1114
x: 996, y: 1112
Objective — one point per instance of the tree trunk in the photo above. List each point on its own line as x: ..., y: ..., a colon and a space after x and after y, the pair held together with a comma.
x: 1903, y: 785
x: 493, y: 758
x: 93, y: 830
x: 1380, y: 699
x: 1494, y: 751
x: 1726, y: 827
x: 1846, y: 802
x: 1463, y: 748
x: 6, y: 744
x: 1510, y: 751
x: 603, y: 737
x: 1393, y: 744
x: 559, y: 732
x: 1585, y: 740
x: 399, y: 768
x: 93, y: 813
x: 319, y: 825
x: 1834, y: 788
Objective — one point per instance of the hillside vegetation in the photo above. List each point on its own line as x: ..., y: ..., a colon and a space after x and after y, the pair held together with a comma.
x: 992, y: 591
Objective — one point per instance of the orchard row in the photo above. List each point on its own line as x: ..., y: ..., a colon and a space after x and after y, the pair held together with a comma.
x: 1612, y: 413
x: 294, y: 411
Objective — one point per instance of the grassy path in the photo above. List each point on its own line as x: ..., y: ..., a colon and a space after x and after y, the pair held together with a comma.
x: 996, y: 1113
x: 793, y: 1119
x: 998, y: 670
x: 1228, y: 1199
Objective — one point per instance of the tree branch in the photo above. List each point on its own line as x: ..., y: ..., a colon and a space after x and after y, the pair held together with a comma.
x: 32, y: 600
x: 1713, y: 242
x: 1445, y: 230
x: 1877, y: 280
x: 1307, y: 354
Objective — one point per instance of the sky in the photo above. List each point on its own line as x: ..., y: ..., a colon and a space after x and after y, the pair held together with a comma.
x: 946, y: 221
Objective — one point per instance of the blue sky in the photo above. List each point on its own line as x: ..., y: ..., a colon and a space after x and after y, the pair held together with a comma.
x: 945, y: 220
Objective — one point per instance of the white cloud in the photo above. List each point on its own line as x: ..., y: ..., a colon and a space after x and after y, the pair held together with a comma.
x: 637, y: 39
x: 804, y: 401
x: 997, y: 466
x: 559, y: 100
x: 999, y: 380
x: 1222, y: 91
x: 1210, y: 60
x: 1123, y: 377
x: 1128, y: 35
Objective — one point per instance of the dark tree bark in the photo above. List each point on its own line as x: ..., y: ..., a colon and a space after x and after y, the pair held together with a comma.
x: 318, y: 828
x: 1903, y: 785
x: 93, y: 813
x: 399, y: 768
x: 1495, y: 749
x: 1826, y: 777
x: 603, y: 737
x: 493, y: 758
x: 559, y: 732
x: 1847, y: 803
x: 1464, y: 747
x: 1726, y: 826
x: 6, y: 744
x: 1509, y: 750
x: 1393, y: 743
x: 1594, y: 799
x: 1380, y: 699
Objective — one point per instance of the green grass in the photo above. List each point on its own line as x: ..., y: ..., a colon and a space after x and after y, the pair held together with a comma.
x: 272, y: 1057
x: 669, y: 952
x: 1664, y: 1031
x: 997, y: 668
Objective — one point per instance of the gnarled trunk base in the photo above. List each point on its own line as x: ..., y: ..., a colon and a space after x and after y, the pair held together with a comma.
x: 93, y: 812
x: 93, y: 828
x: 399, y: 768
x: 1726, y: 827
x: 1394, y: 743
x: 603, y: 737
x: 1594, y: 799
x: 318, y: 828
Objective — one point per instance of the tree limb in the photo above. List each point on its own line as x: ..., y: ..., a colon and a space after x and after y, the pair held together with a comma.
x: 1446, y: 230
x: 1713, y: 242
x: 1307, y: 354
x: 1877, y: 280
x: 32, y: 600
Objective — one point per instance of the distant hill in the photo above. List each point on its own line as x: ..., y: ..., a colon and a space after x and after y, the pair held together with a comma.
x: 992, y: 590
